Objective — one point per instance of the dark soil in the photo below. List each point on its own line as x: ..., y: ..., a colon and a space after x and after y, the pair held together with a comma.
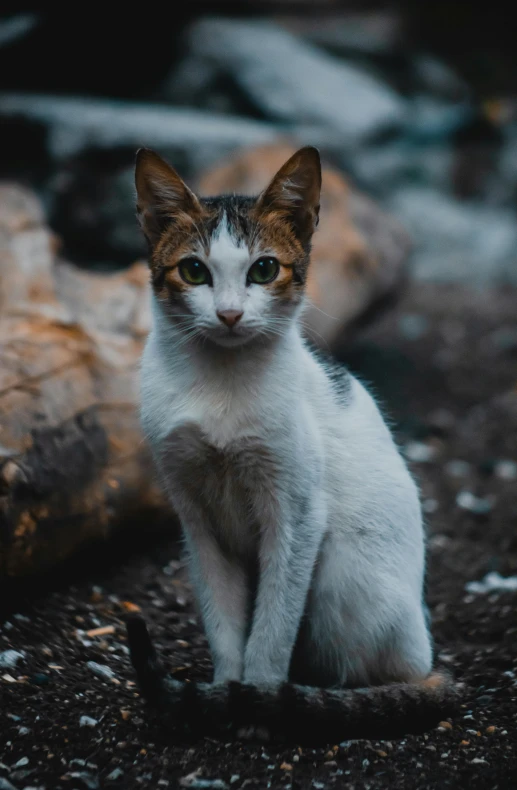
x: 444, y: 363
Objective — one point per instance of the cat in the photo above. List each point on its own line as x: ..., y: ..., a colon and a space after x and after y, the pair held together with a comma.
x: 301, y: 521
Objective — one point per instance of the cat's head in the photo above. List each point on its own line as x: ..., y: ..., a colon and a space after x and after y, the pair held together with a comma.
x: 229, y: 269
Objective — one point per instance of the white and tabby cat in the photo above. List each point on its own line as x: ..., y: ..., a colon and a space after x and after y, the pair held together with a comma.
x: 302, y: 523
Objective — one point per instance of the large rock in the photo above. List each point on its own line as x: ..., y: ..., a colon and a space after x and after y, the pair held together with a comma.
x: 286, y: 79
x: 73, y: 467
x: 458, y: 241
x: 74, y: 125
x: 359, y: 252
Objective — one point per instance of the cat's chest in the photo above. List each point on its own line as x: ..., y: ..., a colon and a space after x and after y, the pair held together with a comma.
x: 230, y: 487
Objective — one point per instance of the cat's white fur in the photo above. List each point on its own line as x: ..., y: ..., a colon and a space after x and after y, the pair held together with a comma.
x: 336, y: 531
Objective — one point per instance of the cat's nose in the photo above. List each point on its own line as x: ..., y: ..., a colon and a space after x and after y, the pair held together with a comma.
x: 229, y: 317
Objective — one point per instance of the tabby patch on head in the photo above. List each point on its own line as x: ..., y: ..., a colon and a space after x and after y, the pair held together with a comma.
x: 229, y: 269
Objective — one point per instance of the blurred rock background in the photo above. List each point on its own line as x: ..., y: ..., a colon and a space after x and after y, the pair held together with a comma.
x: 414, y: 101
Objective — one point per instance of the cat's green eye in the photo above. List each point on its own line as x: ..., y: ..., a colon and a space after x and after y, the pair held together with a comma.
x: 263, y: 271
x: 194, y: 272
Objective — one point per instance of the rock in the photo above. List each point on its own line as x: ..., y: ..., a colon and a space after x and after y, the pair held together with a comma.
x: 21, y: 763
x: 344, y: 32
x: 382, y: 169
x: 114, y: 775
x: 436, y: 77
x: 87, y: 721
x: 287, y: 79
x: 493, y: 582
x: 5, y: 784
x: 102, y: 671
x: 195, y: 781
x: 506, y: 470
x: 71, y: 448
x: 15, y: 27
x: 457, y: 241
x: 413, y: 326
x: 10, y: 658
x: 85, y: 779
x: 435, y: 120
x: 39, y: 679
x: 458, y: 468
x: 359, y: 252
x: 419, y: 452
x: 75, y: 125
x: 474, y: 504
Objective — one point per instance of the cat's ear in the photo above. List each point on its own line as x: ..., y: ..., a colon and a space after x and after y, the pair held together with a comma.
x: 295, y: 191
x: 161, y: 194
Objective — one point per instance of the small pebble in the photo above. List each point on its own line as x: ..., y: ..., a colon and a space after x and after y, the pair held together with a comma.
x: 87, y: 721
x: 430, y: 505
x: 234, y: 778
x: 419, y: 452
x: 490, y: 730
x: 115, y: 774
x: 493, y: 582
x: 39, y: 679
x: 446, y: 725
x: 286, y: 767
x: 5, y: 784
x: 10, y: 658
x: 474, y: 504
x: 102, y: 671
x: 23, y: 730
x: 413, y: 325
x: 479, y: 761
x: 23, y: 761
x: 89, y: 781
x: 457, y: 468
x: 506, y: 470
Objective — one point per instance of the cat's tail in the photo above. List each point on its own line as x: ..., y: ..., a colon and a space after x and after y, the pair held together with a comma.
x: 301, y: 714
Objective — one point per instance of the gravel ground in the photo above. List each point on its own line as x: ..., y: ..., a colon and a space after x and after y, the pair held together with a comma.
x: 444, y: 364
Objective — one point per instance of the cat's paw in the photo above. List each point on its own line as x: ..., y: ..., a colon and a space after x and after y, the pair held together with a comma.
x: 253, y: 733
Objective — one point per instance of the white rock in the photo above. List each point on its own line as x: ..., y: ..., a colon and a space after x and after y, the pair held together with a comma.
x: 290, y: 79
x: 10, y: 658
x: 87, y: 721
x: 419, y: 452
x: 457, y: 468
x: 466, y: 500
x: 493, y: 582
x: 101, y: 670
x: 457, y: 241
x: 506, y: 470
x: 76, y: 124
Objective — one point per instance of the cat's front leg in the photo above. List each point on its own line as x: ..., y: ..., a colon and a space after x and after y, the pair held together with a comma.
x: 222, y: 593
x: 288, y: 553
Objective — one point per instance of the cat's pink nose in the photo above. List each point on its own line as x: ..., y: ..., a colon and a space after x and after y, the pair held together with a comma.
x: 229, y: 317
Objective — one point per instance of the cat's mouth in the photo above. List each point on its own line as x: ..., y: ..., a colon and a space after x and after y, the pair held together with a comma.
x: 230, y: 338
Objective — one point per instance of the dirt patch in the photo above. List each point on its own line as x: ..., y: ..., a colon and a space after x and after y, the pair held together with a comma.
x: 445, y: 365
